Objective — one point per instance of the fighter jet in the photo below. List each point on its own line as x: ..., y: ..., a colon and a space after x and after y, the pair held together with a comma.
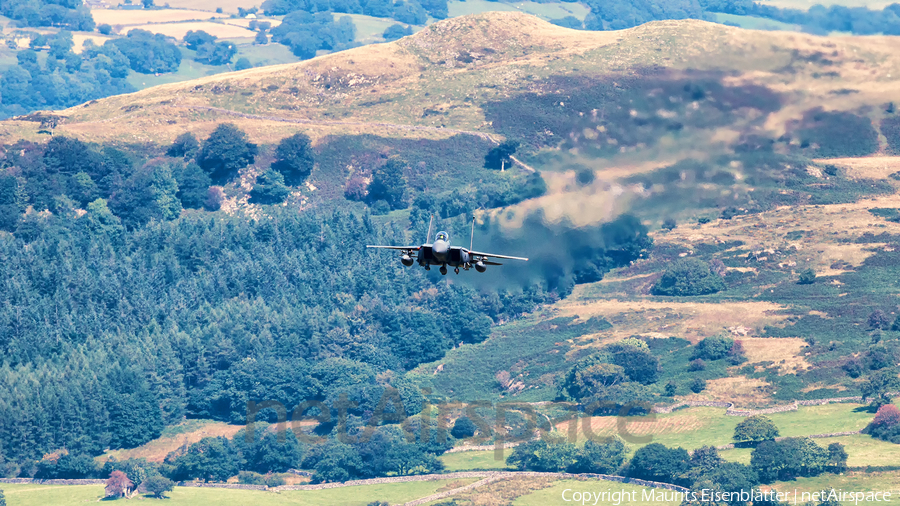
x: 441, y: 253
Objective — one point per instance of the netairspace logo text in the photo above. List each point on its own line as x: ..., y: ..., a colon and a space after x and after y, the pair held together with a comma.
x: 617, y: 497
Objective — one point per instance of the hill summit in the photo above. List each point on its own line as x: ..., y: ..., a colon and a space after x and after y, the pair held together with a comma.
x: 435, y: 83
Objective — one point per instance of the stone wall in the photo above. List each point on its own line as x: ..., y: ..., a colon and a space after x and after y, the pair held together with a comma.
x: 730, y: 411
x: 51, y: 482
x: 481, y: 474
x: 237, y: 486
x: 690, y: 404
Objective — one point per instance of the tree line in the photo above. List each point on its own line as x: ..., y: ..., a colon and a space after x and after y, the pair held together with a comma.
x: 50, y: 75
x: 702, y: 469
x: 819, y: 19
x: 71, y: 14
x: 61, y: 78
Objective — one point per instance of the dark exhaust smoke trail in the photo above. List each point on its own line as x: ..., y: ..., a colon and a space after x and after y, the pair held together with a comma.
x: 560, y: 254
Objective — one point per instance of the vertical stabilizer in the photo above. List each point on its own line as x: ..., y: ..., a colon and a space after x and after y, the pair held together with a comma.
x: 428, y: 239
x: 472, y: 237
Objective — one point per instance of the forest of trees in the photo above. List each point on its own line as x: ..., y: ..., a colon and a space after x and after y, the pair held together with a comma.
x: 61, y: 78
x: 71, y: 14
x: 122, y: 312
x: 306, y: 33
x: 413, y: 12
x: 619, y: 14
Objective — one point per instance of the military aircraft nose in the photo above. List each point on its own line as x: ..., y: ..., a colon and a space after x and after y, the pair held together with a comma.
x: 440, y: 248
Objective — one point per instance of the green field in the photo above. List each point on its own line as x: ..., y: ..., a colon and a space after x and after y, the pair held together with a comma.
x: 543, y: 10
x: 554, y: 494
x: 853, y: 482
x: 369, y: 28
x: 753, y: 22
x: 806, y: 4
x: 189, y: 69
x: 696, y: 427
x: 713, y: 427
x: 270, y: 54
x: 467, y: 461
x: 40, y: 495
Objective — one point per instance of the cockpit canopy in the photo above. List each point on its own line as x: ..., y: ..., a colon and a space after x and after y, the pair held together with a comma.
x: 442, y: 236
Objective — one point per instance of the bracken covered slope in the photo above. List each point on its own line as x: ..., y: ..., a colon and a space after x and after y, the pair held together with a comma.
x: 438, y: 80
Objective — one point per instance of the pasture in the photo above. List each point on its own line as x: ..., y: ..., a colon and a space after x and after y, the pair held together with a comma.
x: 172, y: 438
x: 133, y: 17
x: 467, y: 461
x: 543, y: 10
x: 753, y: 22
x: 628, y: 495
x: 369, y: 29
x: 393, y: 493
x: 888, y: 481
x: 179, y: 29
x: 695, y: 427
x: 227, y: 6
x: 806, y: 4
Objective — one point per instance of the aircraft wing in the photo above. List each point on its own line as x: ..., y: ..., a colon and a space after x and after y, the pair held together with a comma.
x: 402, y: 248
x: 491, y: 255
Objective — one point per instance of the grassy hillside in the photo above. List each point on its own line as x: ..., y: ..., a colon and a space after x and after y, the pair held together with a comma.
x: 459, y: 67
x: 398, y: 493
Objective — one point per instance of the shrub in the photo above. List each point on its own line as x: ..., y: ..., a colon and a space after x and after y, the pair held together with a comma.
x: 713, y: 348
x: 242, y: 64
x: 396, y: 31
x: 703, y: 220
x: 463, y: 428
x: 274, y: 480
x: 251, y: 478
x: 656, y: 462
x: 158, y: 486
x: 185, y: 145
x: 698, y: 385
x: 736, y: 354
x: 839, y: 134
x: 790, y: 458
x: 104, y: 29
x: 807, y: 277
x: 688, y: 276
x: 879, y: 387
x: 878, y: 320
x: 853, y: 367
x: 604, y: 457
x: 498, y: 158
x: 879, y: 357
x: 890, y: 127
x: 671, y: 387
x: 755, y: 429
x: 294, y: 158
x: 669, y: 224
x: 553, y: 456
x: 388, y: 184
x: 697, y: 365
x: 269, y: 188
x: 226, y: 151
x: 886, y: 424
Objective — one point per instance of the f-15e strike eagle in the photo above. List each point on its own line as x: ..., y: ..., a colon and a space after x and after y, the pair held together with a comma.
x: 441, y: 253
